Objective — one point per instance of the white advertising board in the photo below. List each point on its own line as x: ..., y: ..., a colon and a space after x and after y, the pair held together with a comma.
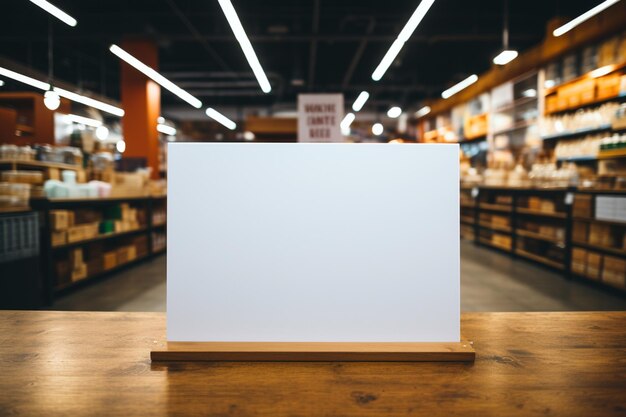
x: 313, y: 243
x: 319, y: 117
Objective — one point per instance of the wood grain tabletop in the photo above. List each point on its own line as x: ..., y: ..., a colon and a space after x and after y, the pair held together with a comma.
x: 97, y: 364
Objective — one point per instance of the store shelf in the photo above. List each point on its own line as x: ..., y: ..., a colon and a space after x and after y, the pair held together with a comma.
x: 160, y: 251
x: 540, y: 259
x: 14, y: 209
x: 554, y: 89
x: 516, y: 126
x: 538, y: 213
x: 100, y: 237
x: 538, y: 236
x: 581, y: 158
x: 67, y: 286
x: 612, y: 154
x: 159, y: 225
x: 474, y: 139
x: 467, y: 220
x: 487, y: 242
x: 578, y: 132
x: 496, y: 228
x: 592, y: 103
x: 495, y: 207
x: 600, y: 248
x: 466, y: 205
x: 609, y: 222
x: 39, y: 164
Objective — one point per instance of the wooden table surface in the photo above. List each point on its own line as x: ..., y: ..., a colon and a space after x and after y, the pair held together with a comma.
x: 82, y: 364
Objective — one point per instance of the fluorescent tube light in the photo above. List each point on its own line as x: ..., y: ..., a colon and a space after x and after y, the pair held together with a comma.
x: 220, y: 118
x: 360, y: 101
x: 166, y: 130
x: 56, y: 12
x: 24, y: 79
x: 347, y: 121
x: 246, y: 46
x: 155, y: 76
x: 404, y: 36
x: 394, y: 112
x: 83, y: 120
x: 377, y: 129
x: 585, y: 16
x: 460, y: 86
x: 599, y: 72
x: 422, y: 112
x: 88, y: 101
x: 505, y: 57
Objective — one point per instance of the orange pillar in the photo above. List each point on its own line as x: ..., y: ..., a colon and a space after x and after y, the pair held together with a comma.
x: 141, y: 100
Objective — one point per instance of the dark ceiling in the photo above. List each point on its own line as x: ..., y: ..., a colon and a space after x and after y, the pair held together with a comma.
x: 306, y: 45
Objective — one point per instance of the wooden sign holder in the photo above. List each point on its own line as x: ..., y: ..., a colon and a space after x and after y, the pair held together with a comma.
x: 315, y: 352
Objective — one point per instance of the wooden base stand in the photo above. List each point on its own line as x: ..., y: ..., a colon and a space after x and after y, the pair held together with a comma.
x: 315, y: 352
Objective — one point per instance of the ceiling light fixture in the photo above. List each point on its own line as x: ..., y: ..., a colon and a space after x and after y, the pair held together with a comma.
x: 88, y: 101
x: 422, y: 112
x: 360, y: 101
x: 377, y: 129
x: 83, y: 120
x: 246, y: 46
x: 394, y: 112
x: 102, y: 132
x: 505, y: 57
x: 346, y: 122
x: 51, y: 100
x: 220, y: 118
x: 166, y: 130
x: 404, y: 36
x: 56, y: 12
x: 160, y: 119
x: 120, y: 146
x: 460, y: 86
x: 155, y: 76
x: 24, y: 79
x: 585, y: 16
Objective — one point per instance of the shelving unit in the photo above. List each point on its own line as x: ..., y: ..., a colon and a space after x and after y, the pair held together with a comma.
x: 147, y: 239
x: 549, y: 233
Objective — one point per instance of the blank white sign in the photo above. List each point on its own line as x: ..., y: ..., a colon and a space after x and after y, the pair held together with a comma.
x: 313, y: 243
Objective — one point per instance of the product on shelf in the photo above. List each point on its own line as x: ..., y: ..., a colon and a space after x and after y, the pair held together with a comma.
x: 582, y: 119
x: 13, y: 196
x: 614, y: 271
x: 24, y: 177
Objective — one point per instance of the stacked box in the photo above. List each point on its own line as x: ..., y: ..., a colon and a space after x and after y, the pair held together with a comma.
x: 582, y: 206
x: 58, y: 237
x: 77, y: 264
x: 600, y: 234
x: 608, y: 86
x: 579, y: 261
x: 579, y: 232
x: 614, y: 272
x: 547, y: 206
x: 60, y: 222
x: 534, y: 203
x: 594, y: 265
x: 109, y: 260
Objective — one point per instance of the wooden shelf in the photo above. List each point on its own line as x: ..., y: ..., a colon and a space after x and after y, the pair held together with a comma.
x: 490, y: 226
x: 578, y: 132
x: 538, y: 236
x: 67, y: 286
x: 539, y: 259
x: 609, y: 222
x: 538, y: 213
x: 467, y: 220
x: 100, y: 237
x: 14, y: 209
x: 495, y: 207
x: 484, y: 241
x: 613, y: 153
x: 466, y: 205
x: 552, y: 90
x: 40, y: 164
x: 600, y: 248
x: 592, y: 103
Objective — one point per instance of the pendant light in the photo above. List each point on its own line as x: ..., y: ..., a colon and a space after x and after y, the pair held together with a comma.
x: 51, y: 99
x: 507, y: 55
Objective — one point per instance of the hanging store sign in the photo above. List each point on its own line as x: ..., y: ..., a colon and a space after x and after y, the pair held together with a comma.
x: 319, y: 117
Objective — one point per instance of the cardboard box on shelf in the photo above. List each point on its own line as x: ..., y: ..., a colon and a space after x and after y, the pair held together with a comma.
x: 59, y: 219
x: 614, y: 272
x: 58, y: 237
x: 500, y: 221
x: 75, y: 234
x: 580, y: 232
x: 122, y: 255
x: 501, y: 240
x: 579, y: 261
x: 76, y: 257
x: 582, y: 206
x: 79, y: 272
x: 594, y: 265
x: 600, y: 234
x: 109, y: 260
x: 608, y: 86
x: 91, y: 230
x: 547, y: 206
x: 131, y: 253
x: 534, y: 203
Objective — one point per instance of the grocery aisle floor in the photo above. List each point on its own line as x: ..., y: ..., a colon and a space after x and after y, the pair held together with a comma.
x: 490, y: 281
